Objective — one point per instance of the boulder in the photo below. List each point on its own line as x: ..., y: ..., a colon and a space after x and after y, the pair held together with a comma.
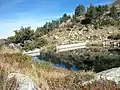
x: 56, y: 37
x: 110, y: 74
x: 17, y: 81
x: 84, y: 29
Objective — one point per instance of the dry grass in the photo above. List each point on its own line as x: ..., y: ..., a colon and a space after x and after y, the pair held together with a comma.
x: 5, y: 49
x: 45, y: 76
x: 41, y: 73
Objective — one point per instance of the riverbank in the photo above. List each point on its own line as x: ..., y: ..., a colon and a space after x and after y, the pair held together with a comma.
x: 45, y: 75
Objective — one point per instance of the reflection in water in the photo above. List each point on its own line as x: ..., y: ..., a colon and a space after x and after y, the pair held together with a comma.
x: 96, y: 58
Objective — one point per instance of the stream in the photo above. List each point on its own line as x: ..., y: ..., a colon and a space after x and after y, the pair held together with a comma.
x: 93, y: 58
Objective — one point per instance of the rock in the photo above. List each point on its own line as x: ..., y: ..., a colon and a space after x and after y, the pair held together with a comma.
x: 84, y: 29
x: 56, y: 37
x: 2, y: 41
x: 17, y: 81
x: 111, y: 74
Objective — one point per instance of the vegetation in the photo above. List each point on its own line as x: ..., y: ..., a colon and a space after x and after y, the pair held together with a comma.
x: 80, y: 10
x: 27, y: 38
x: 98, y: 16
x: 114, y: 36
x: 1, y: 47
x: 41, y: 73
x: 22, y: 35
x: 96, y: 59
x: 47, y: 76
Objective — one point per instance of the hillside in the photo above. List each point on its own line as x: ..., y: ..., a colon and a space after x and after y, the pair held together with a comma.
x: 96, y: 32
x: 116, y: 2
x: 98, y: 25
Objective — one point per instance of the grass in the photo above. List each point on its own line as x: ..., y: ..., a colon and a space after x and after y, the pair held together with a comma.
x: 45, y: 75
x: 5, y: 49
x: 43, y: 64
x: 1, y: 47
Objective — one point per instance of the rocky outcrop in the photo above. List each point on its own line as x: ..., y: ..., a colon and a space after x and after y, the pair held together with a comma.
x: 111, y: 74
x: 17, y: 81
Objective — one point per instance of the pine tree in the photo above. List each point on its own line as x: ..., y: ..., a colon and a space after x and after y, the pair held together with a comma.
x: 64, y: 18
x: 113, y: 12
x: 80, y: 10
x: 91, y: 12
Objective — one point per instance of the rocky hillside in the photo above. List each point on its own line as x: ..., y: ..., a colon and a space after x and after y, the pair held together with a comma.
x: 116, y: 2
x: 96, y: 32
x: 98, y: 24
x: 80, y: 34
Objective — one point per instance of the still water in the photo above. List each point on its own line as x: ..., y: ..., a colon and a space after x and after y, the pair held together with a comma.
x: 92, y: 58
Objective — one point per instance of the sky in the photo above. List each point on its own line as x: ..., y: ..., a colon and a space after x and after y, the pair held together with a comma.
x: 34, y: 13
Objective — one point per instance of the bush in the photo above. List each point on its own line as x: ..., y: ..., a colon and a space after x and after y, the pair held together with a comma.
x: 86, y: 21
x: 31, y: 45
x: 1, y: 46
x: 114, y: 37
x: 40, y: 42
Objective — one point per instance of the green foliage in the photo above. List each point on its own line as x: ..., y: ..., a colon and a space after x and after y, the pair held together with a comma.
x: 91, y: 12
x: 42, y: 64
x: 39, y: 42
x: 11, y: 39
x: 95, y: 15
x: 74, y: 19
x: 105, y: 7
x: 99, y: 10
x: 1, y: 45
x: 29, y: 39
x: 64, y: 18
x: 46, y: 28
x: 96, y: 12
x: 113, y: 12
x: 79, y: 10
x: 22, y: 35
x: 114, y: 36
x: 29, y: 46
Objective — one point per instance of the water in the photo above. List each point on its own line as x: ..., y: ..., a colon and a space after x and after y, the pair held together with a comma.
x: 72, y: 68
x: 92, y: 58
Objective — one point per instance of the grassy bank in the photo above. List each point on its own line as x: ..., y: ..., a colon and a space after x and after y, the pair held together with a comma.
x: 45, y: 75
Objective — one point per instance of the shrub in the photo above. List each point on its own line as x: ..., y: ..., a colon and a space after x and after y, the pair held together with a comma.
x: 1, y: 46
x: 114, y: 36
x: 29, y: 46
x: 40, y: 42
x: 86, y: 21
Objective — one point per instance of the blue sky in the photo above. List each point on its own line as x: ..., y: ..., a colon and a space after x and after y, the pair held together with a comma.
x: 34, y: 13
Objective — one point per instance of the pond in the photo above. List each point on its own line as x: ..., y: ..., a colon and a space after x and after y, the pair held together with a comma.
x: 93, y: 58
